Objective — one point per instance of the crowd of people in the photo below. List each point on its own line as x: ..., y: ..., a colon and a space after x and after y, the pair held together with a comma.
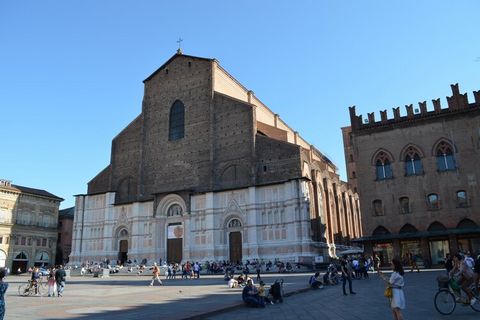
x: 461, y: 268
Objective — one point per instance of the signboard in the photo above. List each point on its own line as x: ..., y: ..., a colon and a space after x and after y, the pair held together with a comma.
x: 319, y: 259
x: 175, y: 231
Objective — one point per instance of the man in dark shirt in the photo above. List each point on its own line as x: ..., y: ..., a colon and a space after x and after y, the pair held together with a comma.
x: 250, y: 295
x: 60, y: 280
x: 346, y: 269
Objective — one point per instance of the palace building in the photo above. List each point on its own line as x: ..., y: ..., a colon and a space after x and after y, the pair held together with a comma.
x: 206, y: 171
x: 28, y: 226
x: 418, y: 178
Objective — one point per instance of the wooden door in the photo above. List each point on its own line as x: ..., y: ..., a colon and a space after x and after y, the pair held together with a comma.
x: 235, y: 240
x: 123, y: 251
x: 174, y: 250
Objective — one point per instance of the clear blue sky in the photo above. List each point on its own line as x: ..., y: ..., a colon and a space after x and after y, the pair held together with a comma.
x: 71, y: 71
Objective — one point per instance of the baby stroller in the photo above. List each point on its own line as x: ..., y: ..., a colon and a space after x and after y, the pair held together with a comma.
x: 275, y: 293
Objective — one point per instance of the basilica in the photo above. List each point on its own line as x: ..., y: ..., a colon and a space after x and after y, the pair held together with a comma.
x: 206, y: 171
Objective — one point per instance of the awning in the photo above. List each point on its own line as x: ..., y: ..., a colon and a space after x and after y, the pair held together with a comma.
x: 420, y: 234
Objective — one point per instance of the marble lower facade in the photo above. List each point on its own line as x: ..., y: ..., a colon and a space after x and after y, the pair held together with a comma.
x: 267, y: 222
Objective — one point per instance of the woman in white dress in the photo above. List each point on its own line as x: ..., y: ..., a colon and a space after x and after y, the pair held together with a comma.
x: 397, y: 302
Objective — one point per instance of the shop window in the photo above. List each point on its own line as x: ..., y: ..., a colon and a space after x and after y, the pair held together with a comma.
x: 378, y: 208
x: 404, y: 205
x: 413, y: 163
x: 445, y: 157
x: 383, y: 167
x: 433, y: 202
x: 462, y: 201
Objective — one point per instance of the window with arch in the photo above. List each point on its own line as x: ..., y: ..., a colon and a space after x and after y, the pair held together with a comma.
x: 383, y: 167
x: 445, y: 157
x: 177, y: 121
x: 174, y: 210
x: 432, y: 201
x: 404, y: 205
x: 234, y: 223
x: 462, y: 200
x: 377, y: 207
x: 413, y: 163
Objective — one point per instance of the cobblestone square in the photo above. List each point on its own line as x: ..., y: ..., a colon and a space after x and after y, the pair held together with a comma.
x: 130, y: 297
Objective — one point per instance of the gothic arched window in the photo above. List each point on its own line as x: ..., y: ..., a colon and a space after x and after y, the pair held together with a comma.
x: 445, y: 158
x: 383, y: 167
x: 413, y: 163
x: 177, y: 121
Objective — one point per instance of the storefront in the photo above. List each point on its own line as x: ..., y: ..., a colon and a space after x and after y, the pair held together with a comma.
x: 438, y: 251
x: 384, y: 251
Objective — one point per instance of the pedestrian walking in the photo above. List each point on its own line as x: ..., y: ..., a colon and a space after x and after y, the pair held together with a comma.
x: 3, y: 289
x: 156, y: 275
x: 346, y: 268
x: 51, y: 282
x: 396, y: 282
x: 60, y: 280
x: 259, y: 270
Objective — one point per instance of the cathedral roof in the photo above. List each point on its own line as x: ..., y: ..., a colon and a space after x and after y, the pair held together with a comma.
x: 176, y: 55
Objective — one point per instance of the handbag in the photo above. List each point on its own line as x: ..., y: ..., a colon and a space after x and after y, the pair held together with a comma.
x: 388, y: 293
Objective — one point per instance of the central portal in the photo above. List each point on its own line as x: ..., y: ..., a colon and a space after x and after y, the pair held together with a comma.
x: 235, y: 240
x: 175, y: 243
x: 123, y: 251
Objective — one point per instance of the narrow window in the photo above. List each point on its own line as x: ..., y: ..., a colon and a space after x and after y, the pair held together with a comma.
x: 377, y: 207
x: 177, y: 121
x: 404, y: 205
x: 462, y: 199
x: 432, y: 201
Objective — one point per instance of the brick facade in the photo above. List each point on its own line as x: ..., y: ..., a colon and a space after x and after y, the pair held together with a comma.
x: 398, y: 213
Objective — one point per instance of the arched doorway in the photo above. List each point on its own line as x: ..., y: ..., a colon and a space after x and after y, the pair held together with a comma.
x: 235, y: 240
x: 42, y: 259
x: 122, y: 239
x: 20, y: 263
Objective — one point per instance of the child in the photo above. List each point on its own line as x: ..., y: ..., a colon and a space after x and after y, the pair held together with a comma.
x: 261, y: 294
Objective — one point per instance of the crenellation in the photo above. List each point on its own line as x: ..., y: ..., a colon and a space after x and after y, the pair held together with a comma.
x: 476, y: 94
x: 396, y: 113
x: 423, y: 107
x: 437, y: 107
x: 384, y: 116
x: 456, y: 103
x: 409, y: 109
x: 371, y: 117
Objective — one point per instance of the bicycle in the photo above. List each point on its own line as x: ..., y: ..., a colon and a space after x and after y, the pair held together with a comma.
x: 446, y: 298
x: 28, y: 289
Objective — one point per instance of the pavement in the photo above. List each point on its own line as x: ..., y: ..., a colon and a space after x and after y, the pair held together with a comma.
x: 130, y: 297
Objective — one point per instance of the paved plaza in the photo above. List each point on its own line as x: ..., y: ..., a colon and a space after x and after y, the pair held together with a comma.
x: 130, y: 297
